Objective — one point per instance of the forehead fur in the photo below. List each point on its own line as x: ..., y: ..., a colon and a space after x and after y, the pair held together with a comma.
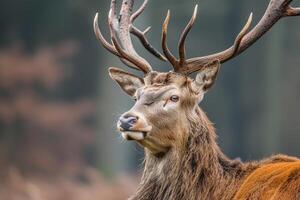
x: 165, y: 78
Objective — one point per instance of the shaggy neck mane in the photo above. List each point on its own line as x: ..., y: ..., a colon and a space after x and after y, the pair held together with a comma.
x: 199, y: 169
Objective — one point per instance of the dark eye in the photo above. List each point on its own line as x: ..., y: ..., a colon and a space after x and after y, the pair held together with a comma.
x: 174, y: 98
x: 134, y: 99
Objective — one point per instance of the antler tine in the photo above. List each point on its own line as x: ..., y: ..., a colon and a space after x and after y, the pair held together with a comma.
x: 237, y: 42
x: 171, y: 58
x: 240, y: 36
x: 181, y: 46
x: 101, y: 39
x: 99, y: 35
x: 112, y: 9
x: 139, y: 11
x: 141, y: 35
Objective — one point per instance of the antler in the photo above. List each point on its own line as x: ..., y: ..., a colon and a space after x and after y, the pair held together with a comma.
x: 276, y: 10
x: 122, y: 45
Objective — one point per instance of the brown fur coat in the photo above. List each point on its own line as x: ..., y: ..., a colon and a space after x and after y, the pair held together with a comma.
x: 201, y: 171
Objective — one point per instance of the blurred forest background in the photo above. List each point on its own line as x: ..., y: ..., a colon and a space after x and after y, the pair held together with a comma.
x: 58, y: 107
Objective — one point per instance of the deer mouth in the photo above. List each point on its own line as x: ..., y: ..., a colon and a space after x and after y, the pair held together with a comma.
x: 134, y: 135
x: 138, y: 134
x: 144, y: 137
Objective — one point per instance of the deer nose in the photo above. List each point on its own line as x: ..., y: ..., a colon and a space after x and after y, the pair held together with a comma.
x: 127, y: 121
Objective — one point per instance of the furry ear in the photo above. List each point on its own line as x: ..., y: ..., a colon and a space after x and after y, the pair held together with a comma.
x: 206, y: 77
x: 129, y: 83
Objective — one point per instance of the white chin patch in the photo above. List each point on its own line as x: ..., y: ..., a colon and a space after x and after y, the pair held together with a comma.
x: 133, y: 135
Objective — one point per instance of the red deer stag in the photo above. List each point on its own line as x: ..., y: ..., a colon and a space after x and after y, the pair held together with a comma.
x: 182, y: 158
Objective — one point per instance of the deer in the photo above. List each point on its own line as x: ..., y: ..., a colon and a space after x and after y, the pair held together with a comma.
x: 182, y: 158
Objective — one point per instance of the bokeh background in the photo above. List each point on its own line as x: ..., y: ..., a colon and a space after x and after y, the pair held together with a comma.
x: 58, y: 107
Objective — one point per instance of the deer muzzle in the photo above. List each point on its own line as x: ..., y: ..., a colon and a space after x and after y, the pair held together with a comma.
x: 133, y: 127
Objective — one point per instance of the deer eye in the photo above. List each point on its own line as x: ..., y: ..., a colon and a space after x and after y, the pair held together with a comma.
x: 134, y: 98
x: 174, y: 98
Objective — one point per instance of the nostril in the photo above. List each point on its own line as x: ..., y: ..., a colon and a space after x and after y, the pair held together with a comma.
x: 132, y: 120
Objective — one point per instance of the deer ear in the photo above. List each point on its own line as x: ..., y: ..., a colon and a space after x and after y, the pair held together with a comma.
x: 206, y: 77
x: 129, y: 83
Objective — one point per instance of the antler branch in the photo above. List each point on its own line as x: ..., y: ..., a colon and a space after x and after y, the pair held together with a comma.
x: 276, y: 10
x: 181, y: 46
x: 101, y: 39
x: 120, y: 29
x: 167, y: 52
x: 139, y: 11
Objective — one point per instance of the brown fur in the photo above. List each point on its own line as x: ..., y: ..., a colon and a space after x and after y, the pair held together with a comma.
x: 202, y: 171
x: 184, y: 162
x: 272, y: 181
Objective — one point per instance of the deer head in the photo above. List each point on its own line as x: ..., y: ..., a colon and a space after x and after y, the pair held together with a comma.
x: 167, y: 101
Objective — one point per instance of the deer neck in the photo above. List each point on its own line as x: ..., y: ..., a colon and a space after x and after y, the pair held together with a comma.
x: 199, y: 168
